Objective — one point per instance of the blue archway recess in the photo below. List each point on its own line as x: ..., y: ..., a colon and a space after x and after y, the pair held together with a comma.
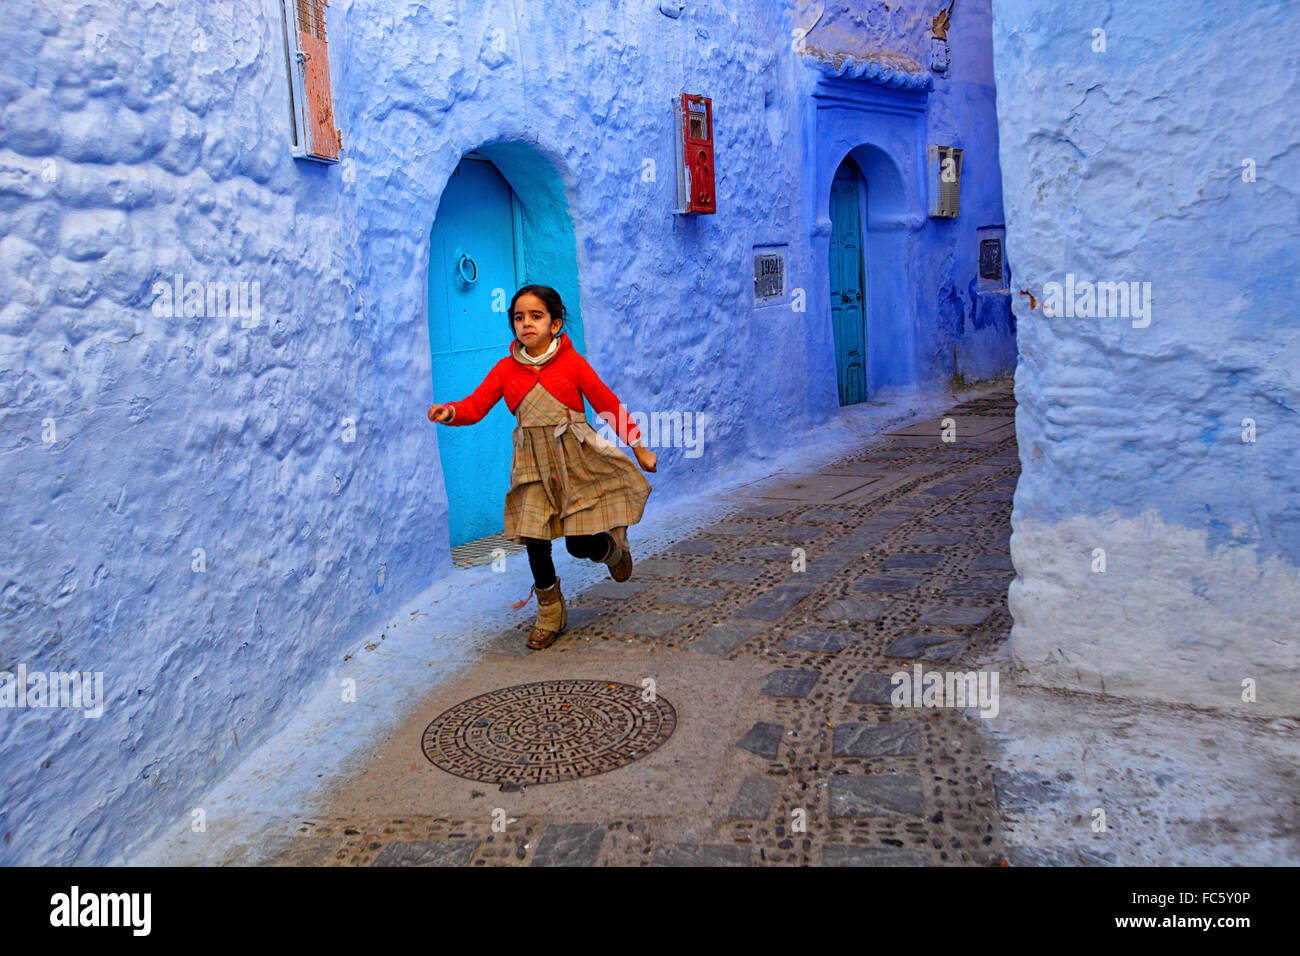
x: 875, y: 116
x: 502, y: 222
x: 889, y: 315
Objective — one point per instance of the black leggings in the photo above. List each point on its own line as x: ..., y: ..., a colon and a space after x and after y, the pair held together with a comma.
x: 594, y: 547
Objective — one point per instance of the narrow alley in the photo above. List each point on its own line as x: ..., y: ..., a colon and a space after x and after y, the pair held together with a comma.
x: 770, y: 737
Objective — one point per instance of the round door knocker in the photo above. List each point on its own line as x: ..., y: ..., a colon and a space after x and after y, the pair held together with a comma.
x: 460, y: 268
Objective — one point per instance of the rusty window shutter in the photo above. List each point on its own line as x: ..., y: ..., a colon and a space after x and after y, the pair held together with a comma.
x: 317, y: 136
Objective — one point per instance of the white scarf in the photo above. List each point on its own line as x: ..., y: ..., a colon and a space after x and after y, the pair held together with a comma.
x: 523, y: 356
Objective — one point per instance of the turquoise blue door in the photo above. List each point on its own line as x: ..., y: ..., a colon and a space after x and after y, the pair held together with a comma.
x: 847, y: 286
x: 472, y: 255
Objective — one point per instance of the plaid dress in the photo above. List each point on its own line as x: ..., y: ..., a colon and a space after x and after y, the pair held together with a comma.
x: 565, y: 478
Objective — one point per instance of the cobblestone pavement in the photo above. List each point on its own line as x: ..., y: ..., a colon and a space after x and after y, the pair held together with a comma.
x: 787, y: 750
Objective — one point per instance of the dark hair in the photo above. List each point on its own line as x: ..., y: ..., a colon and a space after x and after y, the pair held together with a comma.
x: 549, y: 297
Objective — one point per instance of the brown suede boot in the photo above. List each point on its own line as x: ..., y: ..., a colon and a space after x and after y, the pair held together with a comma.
x: 619, y: 558
x: 552, y: 617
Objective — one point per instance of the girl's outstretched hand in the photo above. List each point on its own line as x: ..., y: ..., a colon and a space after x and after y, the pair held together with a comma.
x: 439, y: 413
x: 645, y: 458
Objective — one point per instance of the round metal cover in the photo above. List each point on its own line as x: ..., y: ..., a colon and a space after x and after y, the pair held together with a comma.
x: 547, y: 732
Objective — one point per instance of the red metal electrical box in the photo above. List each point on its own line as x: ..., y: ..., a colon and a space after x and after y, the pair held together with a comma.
x: 694, y: 124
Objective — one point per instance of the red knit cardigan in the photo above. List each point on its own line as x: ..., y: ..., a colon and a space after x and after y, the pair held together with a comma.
x: 566, y: 375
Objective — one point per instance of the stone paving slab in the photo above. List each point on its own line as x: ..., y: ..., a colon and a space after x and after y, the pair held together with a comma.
x: 823, y: 639
x: 820, y: 569
x: 890, y: 454
x: 957, y: 520
x: 872, y: 689
x: 695, y: 854
x: 790, y: 683
x: 725, y: 637
x: 570, y: 844
x: 929, y: 647
x: 767, y: 552
x: 954, y: 486
x: 658, y: 568
x: 934, y: 539
x: 831, y: 515
x: 874, y: 740
x: 875, y: 795
x: 860, y: 540
x: 754, y: 799
x: 774, y: 604
x: 892, y: 517
x: 954, y: 617
x: 901, y: 561
x: 740, y: 573
x: 855, y: 610
x: 982, y: 586
x: 427, y: 853
x: 817, y: 488
x: 886, y: 583
x: 764, y: 739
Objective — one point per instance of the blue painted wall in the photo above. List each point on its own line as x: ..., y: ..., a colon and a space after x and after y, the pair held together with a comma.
x: 139, y: 142
x: 1153, y: 143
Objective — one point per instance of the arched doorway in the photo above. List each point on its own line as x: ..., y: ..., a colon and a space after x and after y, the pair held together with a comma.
x: 848, y: 284
x: 502, y: 222
x: 871, y: 309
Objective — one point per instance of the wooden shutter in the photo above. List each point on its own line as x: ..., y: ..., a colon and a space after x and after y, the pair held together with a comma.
x: 318, y: 137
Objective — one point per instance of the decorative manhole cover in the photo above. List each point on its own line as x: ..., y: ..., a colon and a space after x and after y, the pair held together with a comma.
x: 548, y: 731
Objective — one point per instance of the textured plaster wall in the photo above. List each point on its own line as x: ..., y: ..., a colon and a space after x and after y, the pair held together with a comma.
x: 1127, y: 166
x: 142, y: 141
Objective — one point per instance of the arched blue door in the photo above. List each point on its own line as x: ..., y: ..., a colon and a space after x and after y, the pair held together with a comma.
x: 848, y: 285
x: 473, y: 250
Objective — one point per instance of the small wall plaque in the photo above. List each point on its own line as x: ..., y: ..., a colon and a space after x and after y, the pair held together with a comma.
x: 769, y: 276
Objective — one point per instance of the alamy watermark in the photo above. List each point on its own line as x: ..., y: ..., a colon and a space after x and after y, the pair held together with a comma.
x: 213, y: 300
x: 78, y: 689
x: 658, y: 429
x: 946, y: 689
x: 1100, y: 300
